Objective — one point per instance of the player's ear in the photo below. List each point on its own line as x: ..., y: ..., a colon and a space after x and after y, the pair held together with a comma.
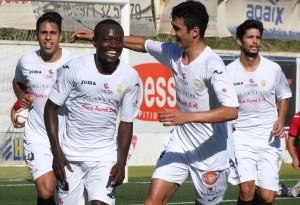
x: 94, y: 41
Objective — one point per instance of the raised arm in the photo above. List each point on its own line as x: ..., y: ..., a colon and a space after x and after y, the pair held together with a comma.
x: 131, y: 42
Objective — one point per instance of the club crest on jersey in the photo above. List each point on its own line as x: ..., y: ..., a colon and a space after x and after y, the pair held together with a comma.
x: 263, y: 83
x: 210, y: 177
x: 196, y: 83
x: 120, y: 89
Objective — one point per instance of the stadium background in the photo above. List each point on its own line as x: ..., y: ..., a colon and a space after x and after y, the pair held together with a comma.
x: 279, y: 18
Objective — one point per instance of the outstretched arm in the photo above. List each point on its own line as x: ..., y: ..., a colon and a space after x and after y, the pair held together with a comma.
x: 124, y: 140
x: 131, y: 42
x: 51, y: 123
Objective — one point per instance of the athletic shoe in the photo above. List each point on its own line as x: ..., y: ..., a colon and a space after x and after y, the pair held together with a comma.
x: 295, y: 191
x: 283, y: 190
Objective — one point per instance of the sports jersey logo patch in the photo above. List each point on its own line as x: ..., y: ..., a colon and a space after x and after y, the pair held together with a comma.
x: 210, y: 177
x: 120, y: 89
x: 196, y: 83
x: 263, y: 83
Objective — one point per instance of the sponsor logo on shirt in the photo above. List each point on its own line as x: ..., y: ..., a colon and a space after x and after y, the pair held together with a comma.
x: 87, y: 82
x: 238, y: 83
x: 210, y: 178
x: 35, y: 72
x: 66, y: 66
x: 217, y: 71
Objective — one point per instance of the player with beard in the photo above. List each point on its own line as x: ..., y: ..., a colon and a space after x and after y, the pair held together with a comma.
x: 260, y: 84
x: 97, y: 89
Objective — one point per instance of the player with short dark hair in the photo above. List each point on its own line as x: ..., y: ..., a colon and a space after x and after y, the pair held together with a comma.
x: 260, y: 85
x: 34, y: 75
x: 96, y: 89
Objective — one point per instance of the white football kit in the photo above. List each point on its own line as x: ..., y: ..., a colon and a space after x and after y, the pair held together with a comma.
x: 93, y: 103
x: 257, y: 151
x: 197, y: 148
x: 38, y: 76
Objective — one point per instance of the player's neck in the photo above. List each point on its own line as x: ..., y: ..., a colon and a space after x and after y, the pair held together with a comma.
x: 249, y: 63
x: 51, y: 58
x: 192, y: 52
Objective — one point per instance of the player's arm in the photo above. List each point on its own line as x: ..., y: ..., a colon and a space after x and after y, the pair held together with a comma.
x: 123, y: 141
x: 24, y: 98
x: 171, y: 117
x: 131, y: 42
x: 278, y: 127
x: 51, y: 124
x: 291, y: 150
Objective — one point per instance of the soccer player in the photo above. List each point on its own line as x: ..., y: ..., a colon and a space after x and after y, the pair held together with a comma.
x: 293, y: 146
x: 96, y: 89
x: 206, y: 99
x: 260, y: 84
x: 34, y: 75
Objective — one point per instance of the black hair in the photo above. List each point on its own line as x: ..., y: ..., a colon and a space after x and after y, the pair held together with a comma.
x: 193, y: 13
x: 248, y: 24
x: 52, y: 17
x: 99, y: 26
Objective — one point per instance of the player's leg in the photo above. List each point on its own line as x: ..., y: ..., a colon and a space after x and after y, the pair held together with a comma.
x: 71, y: 191
x: 39, y: 161
x: 268, y: 177
x: 98, y: 182
x: 170, y: 172
x: 210, y: 186
x: 246, y: 168
x: 45, y: 186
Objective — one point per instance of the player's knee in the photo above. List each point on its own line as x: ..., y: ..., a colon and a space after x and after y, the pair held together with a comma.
x: 268, y: 200
x: 45, y: 193
x: 153, y: 201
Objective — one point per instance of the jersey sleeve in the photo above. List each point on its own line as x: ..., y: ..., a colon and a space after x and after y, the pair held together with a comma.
x: 283, y: 89
x: 63, y: 84
x: 294, y: 126
x: 222, y: 84
x: 132, y: 99
x: 19, y: 77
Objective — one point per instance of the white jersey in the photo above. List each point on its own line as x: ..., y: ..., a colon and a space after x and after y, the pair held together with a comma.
x: 38, y: 76
x: 93, y: 102
x: 257, y: 93
x: 201, y: 86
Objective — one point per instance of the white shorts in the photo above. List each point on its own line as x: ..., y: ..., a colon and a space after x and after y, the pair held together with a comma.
x: 38, y: 159
x: 259, y: 164
x: 90, y: 177
x: 210, y: 185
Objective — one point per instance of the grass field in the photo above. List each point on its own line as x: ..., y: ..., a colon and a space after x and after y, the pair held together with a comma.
x: 13, y: 192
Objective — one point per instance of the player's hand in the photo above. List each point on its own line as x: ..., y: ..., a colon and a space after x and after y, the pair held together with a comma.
x: 278, y: 130
x: 171, y: 117
x: 58, y: 165
x: 295, y: 164
x: 82, y: 35
x: 26, y: 101
x: 117, y: 172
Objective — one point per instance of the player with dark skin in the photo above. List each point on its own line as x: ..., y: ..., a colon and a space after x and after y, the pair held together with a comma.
x: 108, y: 41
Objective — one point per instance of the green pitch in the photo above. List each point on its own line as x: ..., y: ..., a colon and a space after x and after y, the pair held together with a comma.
x: 23, y: 192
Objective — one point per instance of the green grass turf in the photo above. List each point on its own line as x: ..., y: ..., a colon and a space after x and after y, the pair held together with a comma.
x: 135, y: 191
